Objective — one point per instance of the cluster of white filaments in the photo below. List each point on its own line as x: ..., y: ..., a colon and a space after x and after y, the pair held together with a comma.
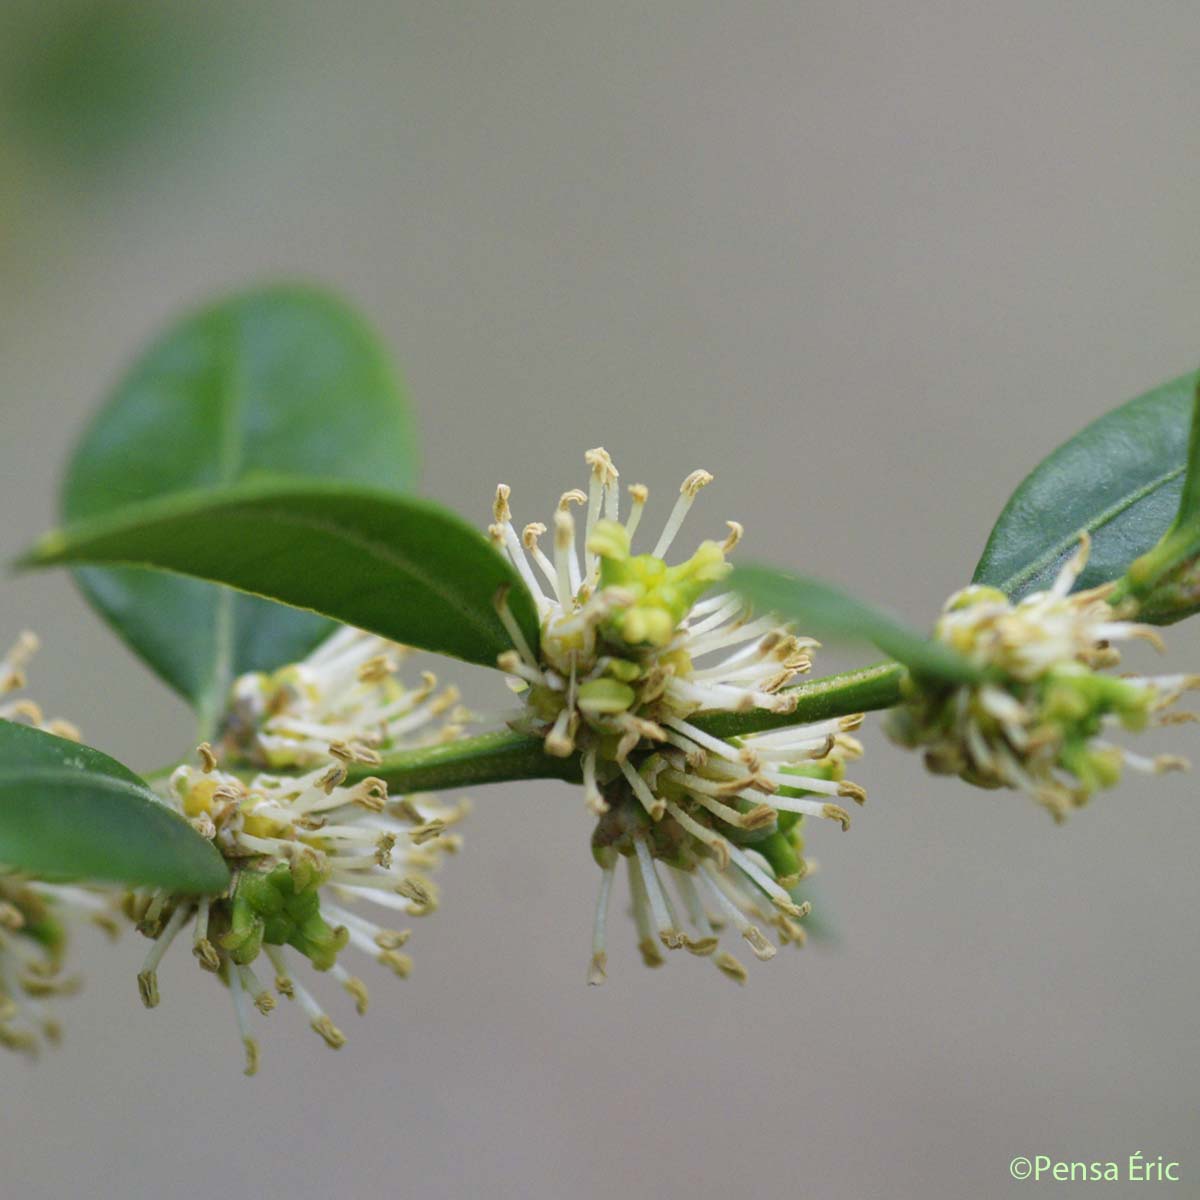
x: 1037, y: 719
x: 346, y: 693
x: 633, y: 655
x: 308, y: 849
x: 698, y: 869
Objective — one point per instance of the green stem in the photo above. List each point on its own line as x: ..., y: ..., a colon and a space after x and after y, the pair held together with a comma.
x: 500, y: 757
x: 488, y: 758
x: 863, y: 690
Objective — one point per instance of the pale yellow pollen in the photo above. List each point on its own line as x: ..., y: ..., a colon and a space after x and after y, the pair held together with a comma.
x: 652, y: 956
x: 792, y: 933
x: 427, y: 832
x: 383, y: 849
x: 41, y: 984
x: 531, y: 533
x: 735, y: 535
x: 370, y: 793
x: 758, y: 817
x: 251, y: 1047
x: 750, y: 759
x: 204, y: 826
x: 334, y: 777
x: 285, y: 987
x: 335, y: 1039
x: 851, y: 748
x: 355, y: 751
x: 694, y: 482
x: 597, y: 972
x: 392, y: 939
x: 208, y: 759
x: 602, y: 465
x: 852, y: 791
x: 500, y: 509
x: 358, y: 990
x: 26, y: 710
x: 265, y: 1003
x: 574, y: 496
x: 1171, y: 762
x: 763, y: 950
x: 1177, y: 718
x: 1147, y: 634
x: 377, y: 669
x: 787, y: 906
x: 400, y: 963
x: 671, y: 938
x: 421, y: 892
x: 835, y: 813
x: 639, y: 493
x: 731, y: 967
x: 148, y: 988
x: 206, y: 954
x: 17, y: 1039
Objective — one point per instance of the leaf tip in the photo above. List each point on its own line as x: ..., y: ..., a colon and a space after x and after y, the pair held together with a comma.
x: 47, y: 549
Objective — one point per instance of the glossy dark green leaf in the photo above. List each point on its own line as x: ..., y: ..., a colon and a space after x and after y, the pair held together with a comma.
x: 1188, y: 512
x: 1164, y: 583
x: 824, y: 611
x: 1121, y: 479
x: 403, y: 568
x: 284, y: 379
x: 69, y: 812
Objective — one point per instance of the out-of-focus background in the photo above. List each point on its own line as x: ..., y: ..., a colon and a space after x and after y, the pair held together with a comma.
x: 867, y: 263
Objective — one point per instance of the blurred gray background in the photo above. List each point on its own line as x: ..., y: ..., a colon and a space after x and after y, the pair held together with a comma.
x: 867, y: 263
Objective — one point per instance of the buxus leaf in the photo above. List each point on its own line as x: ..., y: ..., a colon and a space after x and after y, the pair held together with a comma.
x: 281, y: 379
x: 1120, y: 479
x: 397, y: 566
x: 69, y: 812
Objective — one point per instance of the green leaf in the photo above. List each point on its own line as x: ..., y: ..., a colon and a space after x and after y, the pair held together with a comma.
x: 69, y: 812
x: 1188, y: 512
x: 1164, y: 582
x: 1121, y: 479
x: 824, y: 611
x: 283, y: 379
x: 403, y: 568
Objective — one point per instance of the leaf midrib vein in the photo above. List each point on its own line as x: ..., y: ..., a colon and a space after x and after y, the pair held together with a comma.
x: 1060, y: 547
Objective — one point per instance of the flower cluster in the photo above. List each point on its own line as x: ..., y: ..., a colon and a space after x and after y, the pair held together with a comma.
x: 306, y: 848
x: 347, y: 695
x: 1036, y: 720
x: 633, y: 655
